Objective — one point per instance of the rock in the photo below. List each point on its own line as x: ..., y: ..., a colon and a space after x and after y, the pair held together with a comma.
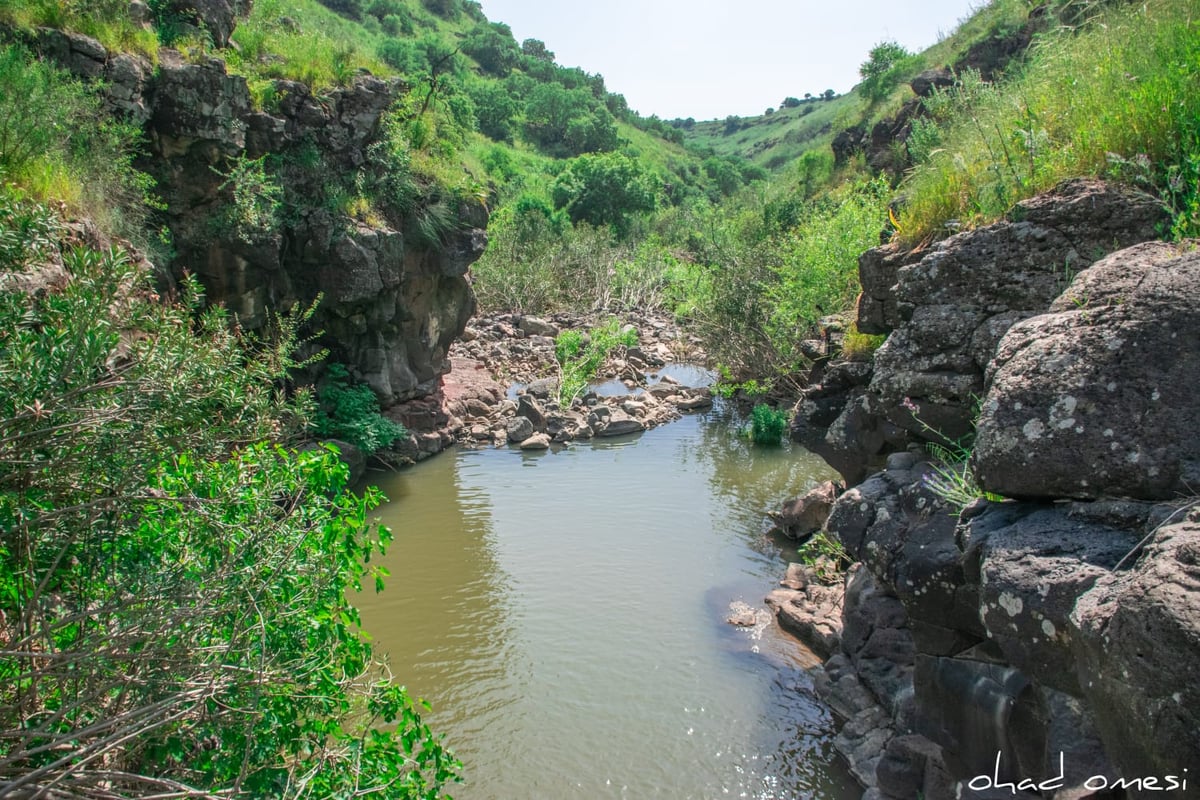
x: 743, y: 615
x: 528, y: 408
x: 140, y: 13
x: 538, y: 441
x: 518, y: 429
x: 801, y: 516
x: 535, y: 326
x: 1106, y: 380
x: 947, y: 307
x: 542, y: 388
x: 1139, y: 632
x: 925, y: 83
x: 813, y: 615
x: 1032, y: 564
x: 216, y: 18
x: 619, y: 424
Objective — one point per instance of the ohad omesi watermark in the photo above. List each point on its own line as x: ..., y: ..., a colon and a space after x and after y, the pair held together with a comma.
x: 1096, y: 783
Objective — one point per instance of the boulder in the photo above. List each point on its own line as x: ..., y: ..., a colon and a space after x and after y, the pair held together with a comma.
x: 926, y: 82
x: 528, y: 408
x: 1031, y: 564
x: 518, y: 429
x: 801, y: 516
x: 813, y: 615
x: 1138, y: 633
x: 1097, y: 398
x: 619, y: 423
x: 960, y: 289
x: 536, y: 326
x: 538, y: 441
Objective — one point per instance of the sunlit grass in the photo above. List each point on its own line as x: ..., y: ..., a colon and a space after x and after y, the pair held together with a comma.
x: 107, y: 21
x: 1120, y: 98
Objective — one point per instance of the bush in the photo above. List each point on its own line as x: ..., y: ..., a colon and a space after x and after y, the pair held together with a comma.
x: 188, y: 573
x: 351, y: 413
x: 579, y: 358
x: 767, y: 425
x: 57, y: 143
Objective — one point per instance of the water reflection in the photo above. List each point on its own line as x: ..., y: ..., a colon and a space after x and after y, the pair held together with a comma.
x: 564, y: 612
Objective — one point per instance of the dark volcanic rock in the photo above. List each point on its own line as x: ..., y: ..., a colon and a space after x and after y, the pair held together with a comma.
x: 969, y: 285
x: 1139, y: 636
x: 1098, y: 398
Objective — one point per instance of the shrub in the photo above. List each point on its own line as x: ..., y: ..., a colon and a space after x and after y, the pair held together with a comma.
x: 580, y: 358
x: 56, y: 142
x: 351, y: 413
x: 257, y: 198
x: 188, y: 573
x: 767, y: 425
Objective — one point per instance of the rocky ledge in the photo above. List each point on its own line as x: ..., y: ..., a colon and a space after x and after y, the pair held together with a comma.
x: 392, y: 301
x: 1041, y: 643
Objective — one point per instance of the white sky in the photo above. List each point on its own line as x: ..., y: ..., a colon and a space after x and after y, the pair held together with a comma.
x: 711, y: 58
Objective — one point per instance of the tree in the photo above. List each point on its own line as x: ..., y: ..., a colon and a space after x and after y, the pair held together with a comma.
x: 883, y: 69
x: 494, y: 109
x: 493, y: 46
x: 536, y: 49
x: 568, y: 121
x: 792, y: 102
x: 605, y: 189
x: 829, y: 94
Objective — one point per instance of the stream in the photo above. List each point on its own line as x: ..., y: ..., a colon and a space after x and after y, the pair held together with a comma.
x: 564, y: 613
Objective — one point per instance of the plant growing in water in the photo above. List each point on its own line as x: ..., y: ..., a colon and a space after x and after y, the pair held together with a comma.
x: 579, y: 356
x: 767, y: 425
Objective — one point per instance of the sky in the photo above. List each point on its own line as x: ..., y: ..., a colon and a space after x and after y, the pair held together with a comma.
x: 711, y: 58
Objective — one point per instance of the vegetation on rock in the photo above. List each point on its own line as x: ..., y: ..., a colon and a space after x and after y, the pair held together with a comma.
x: 175, y: 579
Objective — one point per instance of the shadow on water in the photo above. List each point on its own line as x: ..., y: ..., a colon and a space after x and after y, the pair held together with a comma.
x: 565, y: 614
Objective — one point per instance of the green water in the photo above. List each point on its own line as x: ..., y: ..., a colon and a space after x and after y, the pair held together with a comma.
x: 564, y: 613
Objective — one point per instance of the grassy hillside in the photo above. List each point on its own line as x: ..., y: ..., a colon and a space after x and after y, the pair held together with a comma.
x: 776, y: 140
x: 987, y: 38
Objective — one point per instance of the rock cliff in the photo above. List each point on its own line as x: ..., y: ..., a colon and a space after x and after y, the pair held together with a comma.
x: 1056, y: 627
x: 392, y: 299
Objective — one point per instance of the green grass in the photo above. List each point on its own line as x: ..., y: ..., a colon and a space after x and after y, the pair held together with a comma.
x: 104, y: 20
x: 1119, y: 98
x: 57, y: 144
x: 777, y: 140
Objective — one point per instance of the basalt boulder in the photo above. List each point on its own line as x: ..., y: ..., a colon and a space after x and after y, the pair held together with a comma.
x: 1138, y: 635
x: 1098, y: 398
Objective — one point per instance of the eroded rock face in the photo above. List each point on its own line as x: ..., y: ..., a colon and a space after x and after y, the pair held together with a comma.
x: 955, y: 303
x: 1098, y: 397
x: 392, y: 302
x: 1139, y: 644
x: 990, y: 632
x: 947, y: 308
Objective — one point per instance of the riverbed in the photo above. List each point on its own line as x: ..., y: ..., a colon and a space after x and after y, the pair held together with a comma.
x: 564, y: 613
